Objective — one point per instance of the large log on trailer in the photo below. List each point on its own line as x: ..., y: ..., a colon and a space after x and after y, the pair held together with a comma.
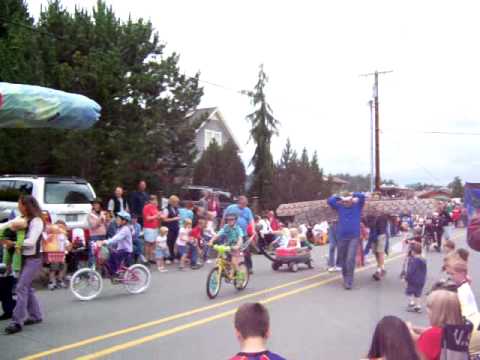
x: 317, y: 211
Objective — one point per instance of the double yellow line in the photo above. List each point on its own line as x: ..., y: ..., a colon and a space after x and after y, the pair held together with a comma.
x: 193, y: 324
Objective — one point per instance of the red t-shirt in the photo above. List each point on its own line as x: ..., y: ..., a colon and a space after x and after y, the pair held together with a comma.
x: 430, y: 343
x: 150, y: 210
x: 196, y: 233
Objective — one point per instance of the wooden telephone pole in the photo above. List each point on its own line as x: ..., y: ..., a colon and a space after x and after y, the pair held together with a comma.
x: 377, y: 127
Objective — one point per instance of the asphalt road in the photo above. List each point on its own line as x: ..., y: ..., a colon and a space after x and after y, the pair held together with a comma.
x: 312, y: 316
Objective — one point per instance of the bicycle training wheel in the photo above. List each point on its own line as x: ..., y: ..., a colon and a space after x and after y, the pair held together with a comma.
x: 86, y: 284
x: 241, y: 277
x: 214, y: 282
x: 136, y: 279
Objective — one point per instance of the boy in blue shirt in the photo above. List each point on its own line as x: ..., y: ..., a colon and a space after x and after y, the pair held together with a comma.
x: 252, y: 327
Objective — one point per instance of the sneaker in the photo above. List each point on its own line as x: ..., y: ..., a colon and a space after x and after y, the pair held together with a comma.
x: 51, y: 286
x: 195, y: 267
x: 411, y: 308
x: 181, y: 268
x: 168, y: 262
x: 417, y: 309
x: 338, y: 268
x: 61, y: 285
x: 68, y: 277
x: 347, y: 287
x: 332, y: 269
x: 209, y: 261
x: 32, y: 322
x: 162, y: 269
x: 13, y: 329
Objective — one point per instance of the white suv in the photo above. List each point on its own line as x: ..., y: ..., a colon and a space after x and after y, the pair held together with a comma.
x: 63, y: 198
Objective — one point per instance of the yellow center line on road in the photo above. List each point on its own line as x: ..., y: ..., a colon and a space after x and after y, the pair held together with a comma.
x: 167, y: 319
x: 193, y: 324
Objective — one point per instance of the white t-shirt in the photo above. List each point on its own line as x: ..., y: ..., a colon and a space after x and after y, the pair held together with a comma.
x: 265, y: 227
x: 303, y: 229
x: 183, y: 237
x: 467, y: 300
x: 161, y: 241
x: 210, y: 228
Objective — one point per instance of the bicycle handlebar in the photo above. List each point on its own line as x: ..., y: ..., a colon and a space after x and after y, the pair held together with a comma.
x: 222, y: 249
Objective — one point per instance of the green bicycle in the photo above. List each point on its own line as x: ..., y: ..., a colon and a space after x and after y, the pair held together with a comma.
x: 223, y: 269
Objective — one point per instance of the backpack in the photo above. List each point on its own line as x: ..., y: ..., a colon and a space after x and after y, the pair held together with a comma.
x: 455, y: 342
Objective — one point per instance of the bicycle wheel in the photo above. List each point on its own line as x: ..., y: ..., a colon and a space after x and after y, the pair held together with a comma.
x: 241, y: 277
x: 86, y: 284
x: 214, y: 282
x: 136, y: 279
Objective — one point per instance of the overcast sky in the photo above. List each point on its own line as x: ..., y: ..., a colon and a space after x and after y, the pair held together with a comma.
x: 314, y: 52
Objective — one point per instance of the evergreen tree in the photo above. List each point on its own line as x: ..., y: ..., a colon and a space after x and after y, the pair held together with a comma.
x: 456, y: 186
x: 263, y: 127
x: 121, y: 65
x: 287, y: 155
x: 314, y: 163
x: 304, y: 160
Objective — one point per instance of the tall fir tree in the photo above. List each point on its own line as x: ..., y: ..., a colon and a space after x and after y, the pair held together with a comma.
x: 263, y: 127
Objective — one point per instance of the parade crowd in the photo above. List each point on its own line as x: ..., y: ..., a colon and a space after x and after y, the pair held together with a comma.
x: 182, y: 235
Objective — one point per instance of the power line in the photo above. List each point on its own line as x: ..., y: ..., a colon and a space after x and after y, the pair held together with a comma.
x: 457, y: 133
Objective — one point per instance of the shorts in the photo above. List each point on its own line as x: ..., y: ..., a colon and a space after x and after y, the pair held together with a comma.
x: 380, y: 244
x: 161, y: 253
x: 182, y: 250
x: 150, y: 235
x: 413, y: 290
x: 56, y: 266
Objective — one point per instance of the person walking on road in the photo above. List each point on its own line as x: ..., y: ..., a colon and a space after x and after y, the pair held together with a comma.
x: 349, y: 211
x: 27, y: 309
x: 379, y: 245
x: 244, y: 219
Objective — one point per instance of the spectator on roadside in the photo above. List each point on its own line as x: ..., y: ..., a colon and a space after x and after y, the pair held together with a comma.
x: 349, y: 211
x: 151, y: 224
x: 117, y: 203
x: 252, y: 328
x: 446, y: 222
x: 186, y: 212
x: 213, y: 205
x: 392, y: 341
x: 171, y: 219
x: 274, y: 224
x: 443, y: 308
x: 97, y: 223
x: 458, y: 272
x: 27, y: 309
x: 244, y: 219
x: 137, y: 201
x: 138, y: 246
x: 203, y: 202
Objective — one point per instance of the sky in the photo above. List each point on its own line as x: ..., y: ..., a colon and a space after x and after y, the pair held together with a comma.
x: 314, y: 53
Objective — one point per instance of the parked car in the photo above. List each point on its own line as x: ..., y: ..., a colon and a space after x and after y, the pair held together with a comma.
x: 61, y: 198
x: 194, y: 193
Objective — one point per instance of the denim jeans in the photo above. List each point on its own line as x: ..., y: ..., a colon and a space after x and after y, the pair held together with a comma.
x: 117, y: 257
x: 193, y: 254
x: 332, y: 248
x: 347, y: 251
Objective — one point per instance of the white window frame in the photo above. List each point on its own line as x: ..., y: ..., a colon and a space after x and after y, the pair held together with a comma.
x: 212, y: 134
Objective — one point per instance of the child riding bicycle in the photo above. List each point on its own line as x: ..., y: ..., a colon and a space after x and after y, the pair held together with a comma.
x: 122, y: 241
x: 233, y: 235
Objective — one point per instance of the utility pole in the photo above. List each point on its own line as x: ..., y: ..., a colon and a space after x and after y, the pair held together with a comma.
x: 372, y: 148
x: 377, y: 127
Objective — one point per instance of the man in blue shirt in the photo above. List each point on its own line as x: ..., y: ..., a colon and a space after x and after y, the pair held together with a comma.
x: 244, y: 218
x: 349, y: 211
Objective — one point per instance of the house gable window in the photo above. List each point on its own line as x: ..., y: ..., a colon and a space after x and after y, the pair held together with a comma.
x: 210, y: 135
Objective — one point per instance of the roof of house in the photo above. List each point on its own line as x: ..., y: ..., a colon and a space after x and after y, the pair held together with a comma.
x: 204, y: 115
x: 336, y: 180
x: 294, y: 209
x: 434, y: 192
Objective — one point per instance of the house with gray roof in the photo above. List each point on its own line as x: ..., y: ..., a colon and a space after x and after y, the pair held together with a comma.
x: 211, y: 125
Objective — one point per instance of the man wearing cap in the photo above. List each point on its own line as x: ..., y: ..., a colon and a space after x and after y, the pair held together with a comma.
x: 349, y: 211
